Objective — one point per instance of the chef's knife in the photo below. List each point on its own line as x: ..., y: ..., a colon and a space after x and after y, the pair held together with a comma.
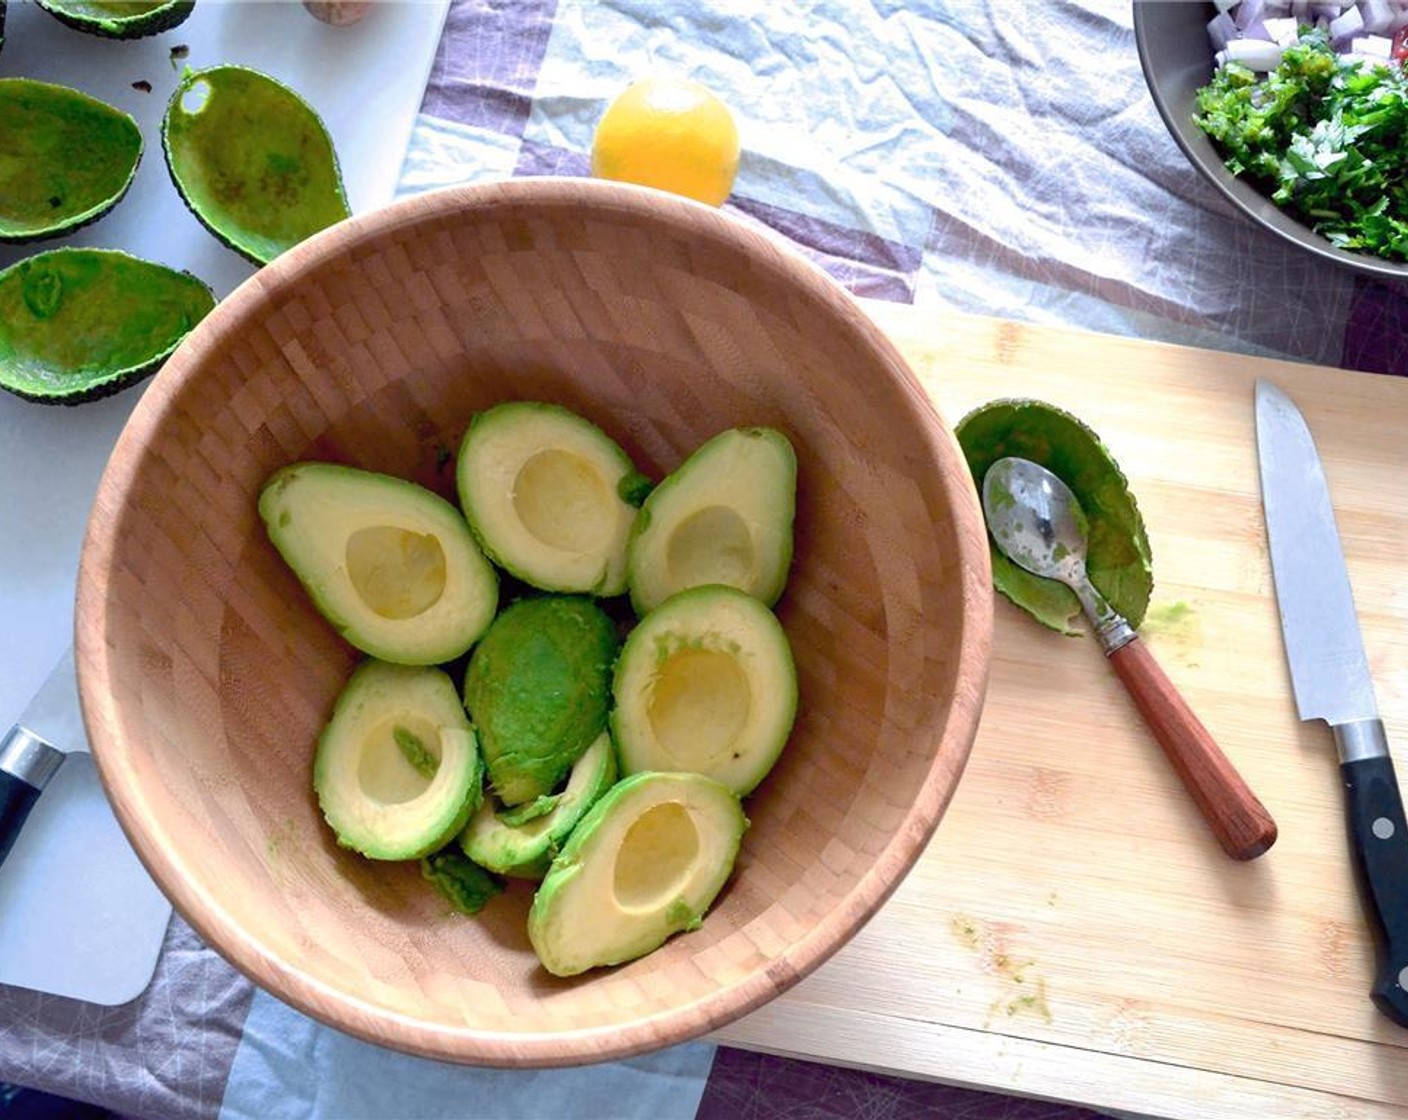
x: 1330, y: 674
x: 32, y: 751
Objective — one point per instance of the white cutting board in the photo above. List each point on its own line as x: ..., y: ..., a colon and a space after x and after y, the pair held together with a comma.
x: 366, y: 82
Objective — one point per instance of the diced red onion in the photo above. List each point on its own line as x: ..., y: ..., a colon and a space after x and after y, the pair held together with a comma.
x: 1377, y: 16
x: 1222, y: 29
x: 1249, y: 13
x: 1253, y: 32
x: 1344, y: 28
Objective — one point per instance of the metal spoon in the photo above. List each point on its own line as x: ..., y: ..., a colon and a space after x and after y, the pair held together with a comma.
x: 1038, y: 523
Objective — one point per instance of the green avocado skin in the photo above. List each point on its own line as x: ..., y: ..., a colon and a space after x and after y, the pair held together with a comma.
x: 1118, y: 561
x: 254, y: 162
x: 71, y: 159
x: 93, y: 17
x: 537, y: 688
x: 78, y: 324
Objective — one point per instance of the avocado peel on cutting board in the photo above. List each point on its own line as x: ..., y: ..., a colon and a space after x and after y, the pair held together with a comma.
x: 1119, y: 560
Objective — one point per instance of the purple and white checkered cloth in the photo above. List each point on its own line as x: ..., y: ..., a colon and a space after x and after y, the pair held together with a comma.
x: 994, y: 158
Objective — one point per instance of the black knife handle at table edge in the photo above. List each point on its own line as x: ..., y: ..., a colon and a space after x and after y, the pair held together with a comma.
x: 17, y: 798
x: 1379, y: 835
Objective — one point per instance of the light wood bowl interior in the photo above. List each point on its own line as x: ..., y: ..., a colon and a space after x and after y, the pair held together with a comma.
x: 206, y: 674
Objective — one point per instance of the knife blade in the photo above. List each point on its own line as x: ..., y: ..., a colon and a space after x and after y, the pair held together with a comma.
x: 35, y: 747
x: 1330, y: 675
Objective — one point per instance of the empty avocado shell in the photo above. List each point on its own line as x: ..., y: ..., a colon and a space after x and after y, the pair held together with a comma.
x: 252, y: 160
x: 76, y: 324
x: 1118, y: 560
x: 69, y: 158
x: 119, y: 19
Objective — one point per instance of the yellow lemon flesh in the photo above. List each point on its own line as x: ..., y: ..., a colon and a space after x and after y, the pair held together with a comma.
x: 672, y: 134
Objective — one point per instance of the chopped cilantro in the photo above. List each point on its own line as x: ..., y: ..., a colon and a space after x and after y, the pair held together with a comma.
x: 1325, y: 138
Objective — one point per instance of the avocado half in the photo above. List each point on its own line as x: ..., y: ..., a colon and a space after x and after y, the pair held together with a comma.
x: 724, y: 515
x: 550, y: 496
x: 390, y: 564
x: 251, y: 160
x: 1118, y: 559
x: 645, y: 862
x: 397, y: 770
x: 119, y: 19
x: 537, y: 687
x: 705, y: 684
x: 69, y: 158
x: 77, y: 324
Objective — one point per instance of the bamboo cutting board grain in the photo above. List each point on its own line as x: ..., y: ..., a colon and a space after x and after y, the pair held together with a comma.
x: 1074, y: 931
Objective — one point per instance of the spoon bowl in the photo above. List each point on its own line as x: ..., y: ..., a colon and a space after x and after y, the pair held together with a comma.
x: 1039, y: 525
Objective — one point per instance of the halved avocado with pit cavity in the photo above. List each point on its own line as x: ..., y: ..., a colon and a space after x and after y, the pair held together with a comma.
x: 645, y: 862
x: 76, y: 324
x: 119, y: 19
x: 252, y: 160
x: 705, y: 684
x: 389, y: 563
x: 68, y: 158
x: 397, y: 769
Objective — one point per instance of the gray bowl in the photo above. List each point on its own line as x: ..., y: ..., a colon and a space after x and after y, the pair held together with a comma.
x: 1174, y: 51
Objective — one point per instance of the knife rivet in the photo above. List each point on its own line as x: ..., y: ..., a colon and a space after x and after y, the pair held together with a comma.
x: 1383, y: 828
x: 1403, y: 979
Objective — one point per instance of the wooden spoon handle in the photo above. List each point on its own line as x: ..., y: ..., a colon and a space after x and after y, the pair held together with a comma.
x: 1238, y: 819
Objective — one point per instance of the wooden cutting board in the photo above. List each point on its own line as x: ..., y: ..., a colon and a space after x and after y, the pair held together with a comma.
x: 1073, y: 930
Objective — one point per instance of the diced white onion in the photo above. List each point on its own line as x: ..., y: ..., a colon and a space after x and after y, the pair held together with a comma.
x: 1255, y: 54
x: 1283, y: 31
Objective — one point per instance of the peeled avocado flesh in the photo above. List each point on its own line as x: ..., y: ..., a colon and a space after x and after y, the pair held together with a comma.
x: 397, y: 769
x: 119, y: 19
x: 525, y: 850
x: 1119, y: 559
x: 76, y: 324
x: 645, y: 862
x: 705, y: 683
x: 389, y: 563
x: 66, y: 159
x: 724, y: 515
x: 537, y: 688
x: 252, y: 161
x: 550, y: 496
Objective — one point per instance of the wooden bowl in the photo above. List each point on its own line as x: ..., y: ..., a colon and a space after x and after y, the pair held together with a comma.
x: 206, y: 674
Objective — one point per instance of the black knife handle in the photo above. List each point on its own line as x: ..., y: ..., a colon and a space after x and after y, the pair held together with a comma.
x: 17, y: 798
x: 1379, y: 835
x: 27, y: 762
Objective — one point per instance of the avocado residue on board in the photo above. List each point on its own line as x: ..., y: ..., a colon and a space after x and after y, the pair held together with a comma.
x: 1177, y: 625
x: 1025, y: 992
x: 1118, y: 559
